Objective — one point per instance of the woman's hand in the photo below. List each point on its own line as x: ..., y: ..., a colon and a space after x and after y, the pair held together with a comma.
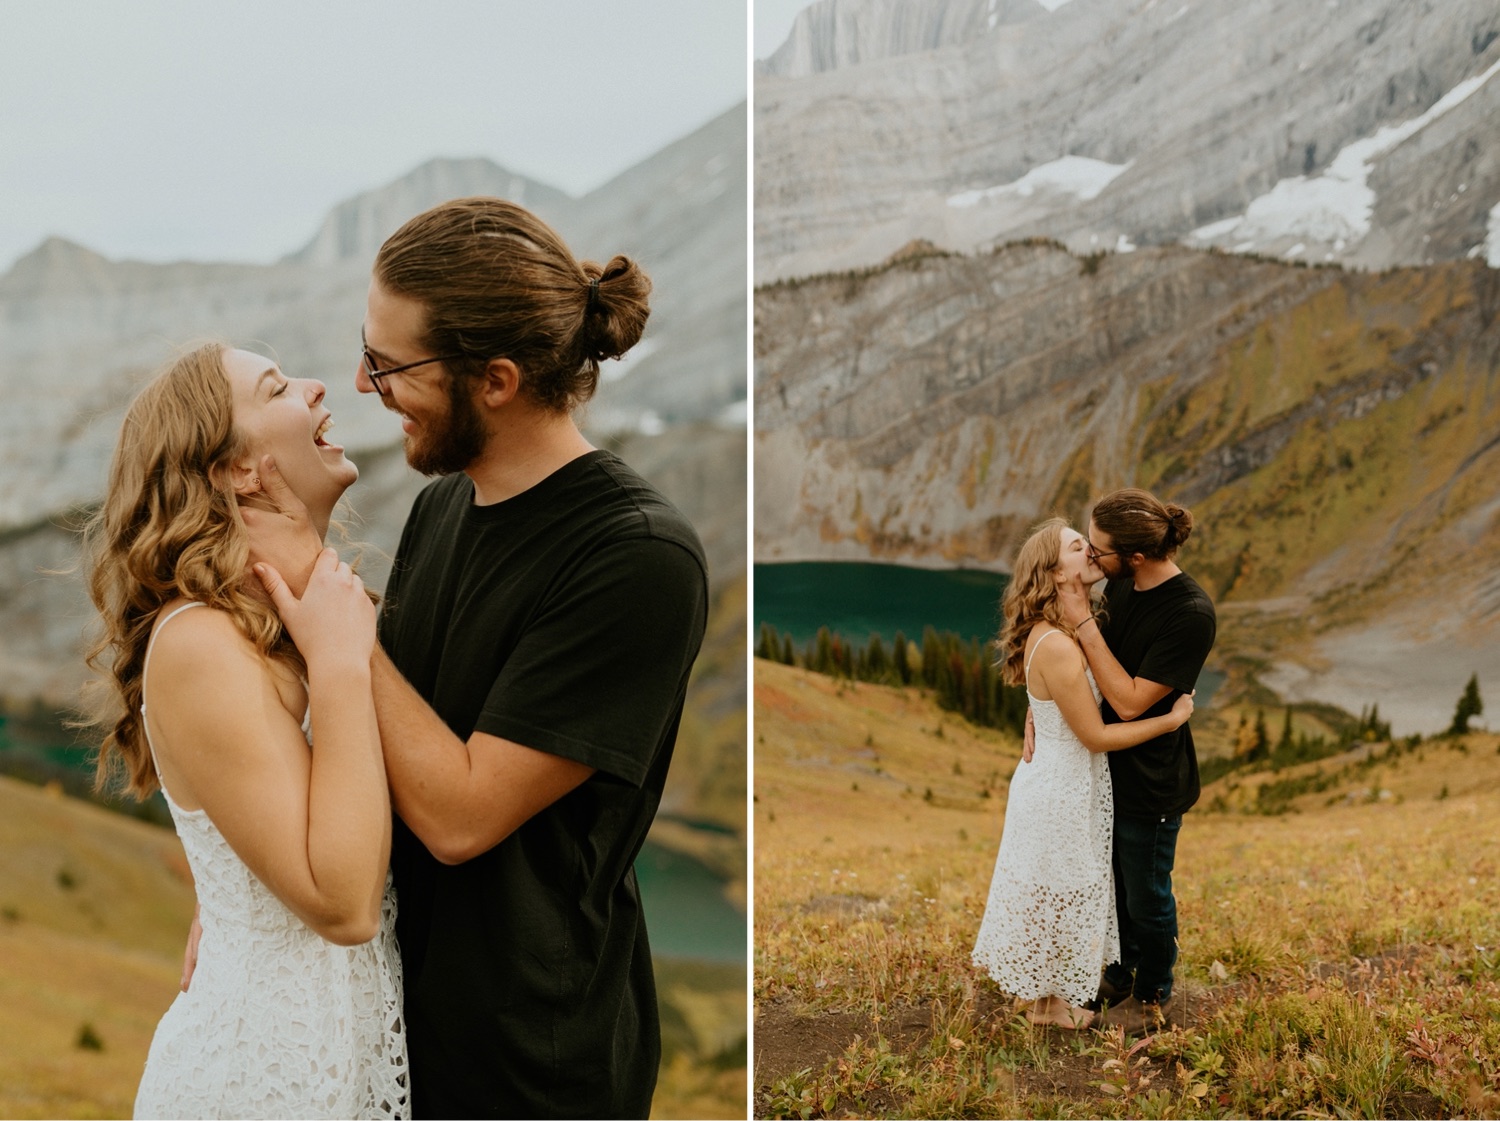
x: 334, y: 620
x: 1182, y: 708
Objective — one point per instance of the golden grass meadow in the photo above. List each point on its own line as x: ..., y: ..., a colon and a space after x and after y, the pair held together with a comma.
x: 94, y: 911
x: 1339, y: 958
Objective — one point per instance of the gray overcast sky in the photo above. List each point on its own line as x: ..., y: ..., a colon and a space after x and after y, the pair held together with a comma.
x: 211, y: 130
x: 773, y: 23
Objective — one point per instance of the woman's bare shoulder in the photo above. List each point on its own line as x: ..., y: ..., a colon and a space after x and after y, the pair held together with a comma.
x: 206, y: 670
x: 1059, y: 654
x: 202, y: 650
x: 194, y: 634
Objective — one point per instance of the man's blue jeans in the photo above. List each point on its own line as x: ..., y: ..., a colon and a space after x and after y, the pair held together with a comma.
x: 1145, y: 850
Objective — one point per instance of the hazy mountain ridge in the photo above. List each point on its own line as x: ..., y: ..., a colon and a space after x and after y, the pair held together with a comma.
x: 354, y: 229
x: 1205, y: 113
x: 79, y: 332
x: 682, y: 217
x: 1333, y: 432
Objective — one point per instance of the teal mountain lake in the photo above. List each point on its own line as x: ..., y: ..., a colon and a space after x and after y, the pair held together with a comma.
x: 857, y: 599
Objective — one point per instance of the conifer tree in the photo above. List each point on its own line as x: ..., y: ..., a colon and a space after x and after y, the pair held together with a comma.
x: 1262, y: 746
x: 932, y: 657
x: 899, y: 659
x: 877, y: 665
x: 822, y: 659
x: 1469, y: 706
x: 768, y: 647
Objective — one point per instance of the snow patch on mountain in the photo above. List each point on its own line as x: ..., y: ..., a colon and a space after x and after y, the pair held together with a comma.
x: 1492, y: 240
x: 1333, y: 208
x: 1077, y: 175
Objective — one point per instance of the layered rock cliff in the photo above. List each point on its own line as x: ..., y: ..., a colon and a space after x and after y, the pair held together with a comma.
x: 1334, y: 432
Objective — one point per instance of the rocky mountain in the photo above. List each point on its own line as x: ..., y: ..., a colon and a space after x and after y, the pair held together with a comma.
x: 1359, y: 132
x: 1334, y: 432
x: 78, y: 334
x: 1011, y: 255
x: 354, y: 229
x: 830, y: 34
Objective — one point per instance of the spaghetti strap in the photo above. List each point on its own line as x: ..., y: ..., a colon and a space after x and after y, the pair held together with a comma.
x: 145, y: 664
x: 1034, y: 649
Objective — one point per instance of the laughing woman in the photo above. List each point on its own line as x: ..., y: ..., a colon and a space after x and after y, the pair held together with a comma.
x: 268, y: 755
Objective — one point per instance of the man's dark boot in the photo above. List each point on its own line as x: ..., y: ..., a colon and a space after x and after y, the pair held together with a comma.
x: 1108, y: 994
x: 1138, y: 1018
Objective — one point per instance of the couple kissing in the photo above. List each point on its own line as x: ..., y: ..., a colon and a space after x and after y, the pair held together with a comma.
x: 1081, y: 920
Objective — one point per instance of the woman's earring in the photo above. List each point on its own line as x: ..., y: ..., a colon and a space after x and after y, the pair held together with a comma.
x: 255, y: 482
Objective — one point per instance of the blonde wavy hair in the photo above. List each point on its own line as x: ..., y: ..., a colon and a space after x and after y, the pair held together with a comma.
x: 1031, y: 598
x: 168, y: 528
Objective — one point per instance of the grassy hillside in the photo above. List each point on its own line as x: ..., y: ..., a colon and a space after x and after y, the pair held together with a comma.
x: 94, y: 909
x: 1337, y: 451
x: 1338, y: 958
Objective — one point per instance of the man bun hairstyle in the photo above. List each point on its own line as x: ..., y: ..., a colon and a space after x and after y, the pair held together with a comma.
x: 1139, y: 522
x: 498, y: 282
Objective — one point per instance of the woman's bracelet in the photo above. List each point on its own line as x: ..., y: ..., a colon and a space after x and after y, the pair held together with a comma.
x: 1091, y: 619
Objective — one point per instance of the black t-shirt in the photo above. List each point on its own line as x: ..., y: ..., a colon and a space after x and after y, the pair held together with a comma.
x: 1164, y: 635
x: 565, y: 619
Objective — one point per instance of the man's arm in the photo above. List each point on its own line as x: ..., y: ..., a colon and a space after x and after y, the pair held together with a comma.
x: 1128, y: 696
x: 459, y: 798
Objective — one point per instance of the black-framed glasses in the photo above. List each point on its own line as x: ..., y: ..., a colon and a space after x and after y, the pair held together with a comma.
x: 1095, y: 554
x: 376, y: 376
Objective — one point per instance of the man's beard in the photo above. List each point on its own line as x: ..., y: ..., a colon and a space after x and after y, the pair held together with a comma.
x: 459, y: 440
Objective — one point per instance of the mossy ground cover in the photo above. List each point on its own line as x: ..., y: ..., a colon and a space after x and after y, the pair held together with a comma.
x: 1340, y: 958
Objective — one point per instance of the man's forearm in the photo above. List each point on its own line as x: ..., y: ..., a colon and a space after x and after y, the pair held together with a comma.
x: 459, y: 797
x: 1118, y: 687
x: 427, y: 766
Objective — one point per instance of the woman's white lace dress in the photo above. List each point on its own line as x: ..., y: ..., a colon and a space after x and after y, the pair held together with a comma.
x: 278, y: 1022
x: 1049, y: 927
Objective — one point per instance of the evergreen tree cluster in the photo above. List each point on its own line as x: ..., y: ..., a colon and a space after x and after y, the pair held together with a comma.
x: 1255, y: 750
x: 961, y: 673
